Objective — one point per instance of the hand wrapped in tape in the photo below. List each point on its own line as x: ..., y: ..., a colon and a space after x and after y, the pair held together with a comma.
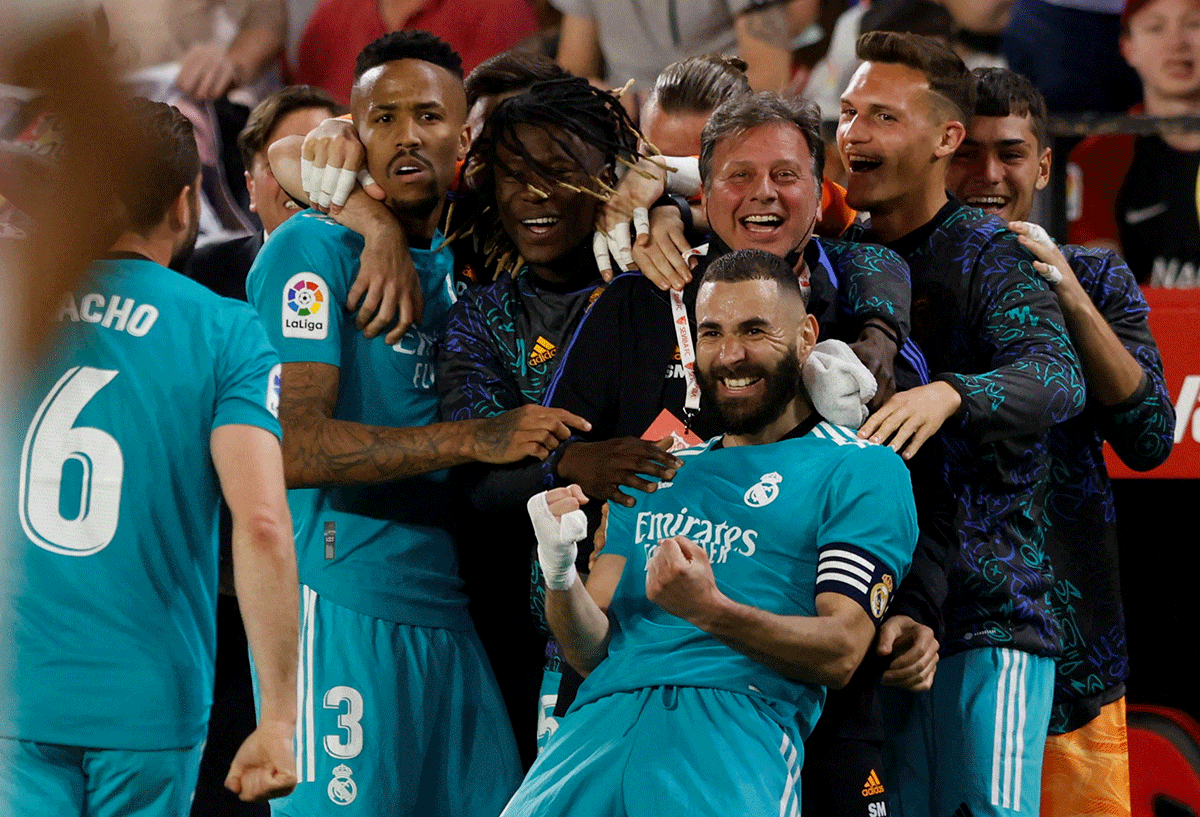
x: 559, y: 526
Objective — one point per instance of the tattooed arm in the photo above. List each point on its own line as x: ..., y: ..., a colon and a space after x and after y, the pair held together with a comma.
x: 321, y: 450
x: 764, y: 39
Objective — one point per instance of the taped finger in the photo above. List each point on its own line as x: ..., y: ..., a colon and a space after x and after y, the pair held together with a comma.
x: 346, y: 180
x: 618, y: 239
x: 600, y: 250
x: 310, y: 179
x: 1049, y: 272
x: 641, y: 220
x: 329, y: 181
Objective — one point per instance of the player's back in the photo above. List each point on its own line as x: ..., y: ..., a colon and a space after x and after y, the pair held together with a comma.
x: 111, y: 546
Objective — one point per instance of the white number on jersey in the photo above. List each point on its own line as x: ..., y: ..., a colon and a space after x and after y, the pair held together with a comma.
x: 348, y: 720
x: 51, y: 443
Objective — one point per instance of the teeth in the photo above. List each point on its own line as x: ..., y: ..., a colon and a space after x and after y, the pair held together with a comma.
x: 534, y: 222
x: 860, y: 163
x: 739, y: 382
x: 764, y: 219
x: 981, y: 200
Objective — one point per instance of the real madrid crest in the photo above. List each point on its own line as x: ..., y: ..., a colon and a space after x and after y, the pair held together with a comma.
x: 341, y: 788
x: 765, y: 491
x: 881, y: 594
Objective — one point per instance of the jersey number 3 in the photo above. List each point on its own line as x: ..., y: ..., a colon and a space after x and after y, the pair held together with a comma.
x: 57, y: 452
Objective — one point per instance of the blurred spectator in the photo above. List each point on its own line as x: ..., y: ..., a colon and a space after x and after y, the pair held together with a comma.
x: 971, y: 27
x: 615, y: 40
x: 339, y: 29
x: 1137, y: 194
x: 220, y: 45
x: 1069, y: 49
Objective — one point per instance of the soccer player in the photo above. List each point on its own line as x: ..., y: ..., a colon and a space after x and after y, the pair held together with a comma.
x: 400, y: 712
x: 724, y: 602
x: 542, y: 160
x: 108, y: 599
x: 1004, y: 372
x: 1002, y: 161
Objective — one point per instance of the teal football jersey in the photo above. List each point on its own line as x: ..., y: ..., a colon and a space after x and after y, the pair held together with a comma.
x: 108, y: 602
x: 381, y: 550
x: 823, y: 511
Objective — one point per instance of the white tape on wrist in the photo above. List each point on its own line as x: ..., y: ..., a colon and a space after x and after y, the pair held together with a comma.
x: 556, y: 541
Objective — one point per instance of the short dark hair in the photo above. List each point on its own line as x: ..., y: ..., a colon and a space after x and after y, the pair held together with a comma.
x: 254, y: 137
x: 165, y: 161
x: 945, y: 72
x: 1001, y: 92
x: 700, y: 84
x: 753, y: 265
x: 409, y: 44
x: 508, y: 72
x: 740, y: 114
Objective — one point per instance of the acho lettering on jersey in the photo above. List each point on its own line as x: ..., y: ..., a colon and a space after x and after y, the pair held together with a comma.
x: 108, y: 599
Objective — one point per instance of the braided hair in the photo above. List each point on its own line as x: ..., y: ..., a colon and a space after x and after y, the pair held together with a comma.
x: 569, y: 105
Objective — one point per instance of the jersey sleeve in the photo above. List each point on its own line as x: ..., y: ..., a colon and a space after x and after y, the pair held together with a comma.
x: 298, y: 285
x: 868, y: 529
x: 248, y: 374
x: 473, y: 383
x: 873, y: 282
x: 1035, y: 381
x: 1141, y: 429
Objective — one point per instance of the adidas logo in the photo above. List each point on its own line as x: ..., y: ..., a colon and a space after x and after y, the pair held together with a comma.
x: 873, y: 786
x: 543, y: 350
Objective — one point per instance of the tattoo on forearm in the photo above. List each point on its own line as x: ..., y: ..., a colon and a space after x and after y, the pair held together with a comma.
x: 768, y: 24
x: 320, y: 451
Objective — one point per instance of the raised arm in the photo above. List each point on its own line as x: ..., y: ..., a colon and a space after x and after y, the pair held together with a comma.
x: 577, y: 616
x: 1106, y: 315
x: 250, y: 468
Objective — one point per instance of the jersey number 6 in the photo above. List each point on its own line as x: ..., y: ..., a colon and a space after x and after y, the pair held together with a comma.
x: 52, y: 445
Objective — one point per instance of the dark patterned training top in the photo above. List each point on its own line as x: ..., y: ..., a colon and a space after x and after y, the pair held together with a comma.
x: 1081, y: 538
x: 990, y: 327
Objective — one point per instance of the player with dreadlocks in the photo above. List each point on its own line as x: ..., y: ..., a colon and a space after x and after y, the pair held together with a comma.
x: 537, y: 176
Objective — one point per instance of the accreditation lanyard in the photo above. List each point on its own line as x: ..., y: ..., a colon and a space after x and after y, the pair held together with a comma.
x: 687, y: 354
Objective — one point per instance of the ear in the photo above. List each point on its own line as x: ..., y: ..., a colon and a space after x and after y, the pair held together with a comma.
x: 178, y: 213
x: 953, y: 133
x: 1043, y: 176
x: 464, y: 142
x: 806, y: 337
x: 250, y: 190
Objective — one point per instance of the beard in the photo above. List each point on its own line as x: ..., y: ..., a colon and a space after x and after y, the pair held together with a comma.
x: 183, y: 253
x: 742, y: 415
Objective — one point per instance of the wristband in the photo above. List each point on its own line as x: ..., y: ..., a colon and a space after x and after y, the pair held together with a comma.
x: 888, y: 332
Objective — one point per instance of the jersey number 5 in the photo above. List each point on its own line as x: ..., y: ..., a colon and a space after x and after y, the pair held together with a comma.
x: 55, y: 447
